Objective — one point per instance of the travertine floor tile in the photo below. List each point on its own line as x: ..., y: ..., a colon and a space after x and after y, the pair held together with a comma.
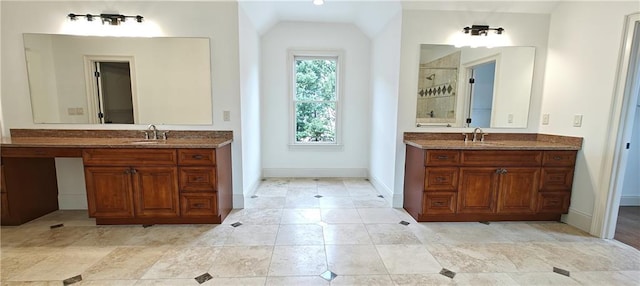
x: 346, y: 234
x: 408, y: 259
x: 314, y: 280
x: 242, y: 261
x: 354, y: 260
x: 300, y: 234
x: 298, y: 260
x: 289, y: 236
x: 124, y: 263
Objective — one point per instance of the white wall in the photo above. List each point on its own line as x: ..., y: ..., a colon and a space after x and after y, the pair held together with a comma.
x: 443, y: 27
x: 250, y: 102
x: 215, y: 20
x: 631, y: 185
x: 580, y: 79
x: 385, y: 66
x: 278, y: 158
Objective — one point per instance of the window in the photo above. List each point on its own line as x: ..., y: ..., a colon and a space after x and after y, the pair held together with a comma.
x: 315, y: 98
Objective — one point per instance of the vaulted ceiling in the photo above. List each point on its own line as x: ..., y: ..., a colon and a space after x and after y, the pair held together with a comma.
x: 372, y: 16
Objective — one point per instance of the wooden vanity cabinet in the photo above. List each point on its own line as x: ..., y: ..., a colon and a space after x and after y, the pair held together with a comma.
x: 132, y: 183
x: 477, y: 185
x: 148, y: 186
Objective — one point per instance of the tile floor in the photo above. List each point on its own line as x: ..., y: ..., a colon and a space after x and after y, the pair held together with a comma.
x: 294, y: 230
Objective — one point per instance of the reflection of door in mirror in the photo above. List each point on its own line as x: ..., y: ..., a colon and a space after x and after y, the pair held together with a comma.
x: 115, y: 104
x: 481, y: 82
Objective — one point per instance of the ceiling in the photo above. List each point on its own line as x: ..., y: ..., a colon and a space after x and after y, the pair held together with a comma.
x: 371, y: 16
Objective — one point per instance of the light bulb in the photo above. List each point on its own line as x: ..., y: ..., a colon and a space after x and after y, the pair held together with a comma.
x: 318, y: 2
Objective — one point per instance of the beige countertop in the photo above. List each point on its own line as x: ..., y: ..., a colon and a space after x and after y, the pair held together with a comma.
x: 64, y: 138
x: 498, y: 141
x: 61, y: 142
x: 489, y: 145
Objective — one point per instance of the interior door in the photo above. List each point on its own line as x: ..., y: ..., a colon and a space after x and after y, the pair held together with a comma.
x: 115, y: 92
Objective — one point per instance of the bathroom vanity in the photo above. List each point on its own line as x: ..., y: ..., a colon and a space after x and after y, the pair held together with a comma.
x: 129, y: 180
x: 511, y: 177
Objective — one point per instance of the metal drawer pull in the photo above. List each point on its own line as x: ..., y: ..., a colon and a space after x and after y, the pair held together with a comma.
x: 198, y: 179
x: 199, y: 205
x: 197, y: 157
x: 438, y: 203
x: 501, y: 171
x: 440, y: 179
x: 557, y: 158
x: 442, y: 157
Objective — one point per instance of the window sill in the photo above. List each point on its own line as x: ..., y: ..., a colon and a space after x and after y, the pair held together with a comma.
x: 319, y: 146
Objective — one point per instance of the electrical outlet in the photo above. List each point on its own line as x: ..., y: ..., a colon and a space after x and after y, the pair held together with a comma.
x: 226, y: 115
x: 79, y: 111
x: 510, y: 118
x: 577, y: 120
x: 545, y: 119
x: 71, y: 111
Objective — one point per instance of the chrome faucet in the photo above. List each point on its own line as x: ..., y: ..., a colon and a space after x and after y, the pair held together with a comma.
x: 475, y: 134
x: 153, y: 128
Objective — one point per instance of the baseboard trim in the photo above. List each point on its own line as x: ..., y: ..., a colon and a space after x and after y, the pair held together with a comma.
x: 72, y: 202
x: 238, y: 201
x: 383, y: 189
x: 251, y: 190
x: 314, y: 172
x: 578, y: 219
x: 630, y: 201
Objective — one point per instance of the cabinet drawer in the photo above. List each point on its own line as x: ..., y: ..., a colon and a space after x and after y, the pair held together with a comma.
x: 197, y: 179
x: 501, y: 158
x: 442, y: 158
x: 129, y: 157
x: 556, y: 179
x: 554, y: 202
x: 559, y: 158
x: 441, y: 179
x: 198, y: 205
x: 200, y: 157
x: 439, y: 203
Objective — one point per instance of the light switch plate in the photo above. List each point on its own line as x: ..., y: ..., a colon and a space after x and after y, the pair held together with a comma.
x: 577, y: 120
x: 545, y: 119
x: 510, y: 118
x: 226, y: 115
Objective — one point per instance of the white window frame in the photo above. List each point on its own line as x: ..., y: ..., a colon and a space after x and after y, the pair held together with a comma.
x: 314, y: 54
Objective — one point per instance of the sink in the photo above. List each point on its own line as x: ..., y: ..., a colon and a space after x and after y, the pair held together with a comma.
x: 144, y: 142
x: 491, y: 143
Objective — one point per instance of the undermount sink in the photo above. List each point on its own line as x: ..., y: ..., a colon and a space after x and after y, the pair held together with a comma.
x: 145, y: 142
x: 491, y: 143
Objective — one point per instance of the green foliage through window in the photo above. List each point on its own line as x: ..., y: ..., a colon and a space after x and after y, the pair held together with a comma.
x: 315, y: 100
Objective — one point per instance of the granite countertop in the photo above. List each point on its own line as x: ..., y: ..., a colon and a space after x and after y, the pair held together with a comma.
x: 113, y: 139
x: 505, y: 141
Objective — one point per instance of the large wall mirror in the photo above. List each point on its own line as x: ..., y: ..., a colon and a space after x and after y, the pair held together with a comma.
x: 119, y: 80
x: 474, y: 87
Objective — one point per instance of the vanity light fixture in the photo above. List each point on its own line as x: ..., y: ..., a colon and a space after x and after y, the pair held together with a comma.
x: 111, y: 19
x: 318, y: 2
x: 481, y: 30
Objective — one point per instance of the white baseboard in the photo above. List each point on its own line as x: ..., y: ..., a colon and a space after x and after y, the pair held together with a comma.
x: 382, y: 189
x: 251, y: 190
x: 72, y: 201
x: 630, y: 201
x: 238, y: 201
x: 578, y: 219
x: 314, y: 172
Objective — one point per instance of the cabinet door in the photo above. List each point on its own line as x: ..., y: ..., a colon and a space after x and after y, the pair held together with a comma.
x: 109, y: 192
x: 477, y: 190
x: 518, y: 189
x: 156, y: 191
